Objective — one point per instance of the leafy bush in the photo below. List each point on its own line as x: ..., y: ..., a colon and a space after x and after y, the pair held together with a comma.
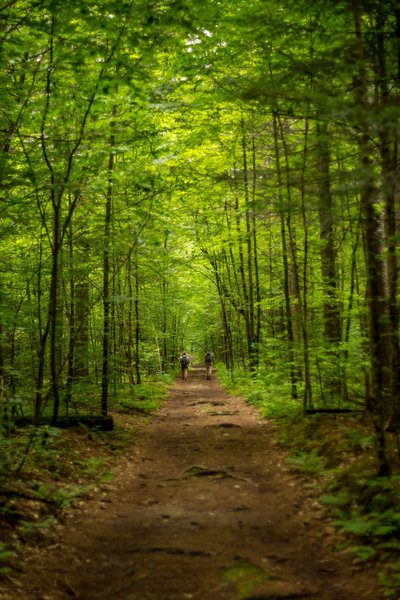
x: 268, y: 391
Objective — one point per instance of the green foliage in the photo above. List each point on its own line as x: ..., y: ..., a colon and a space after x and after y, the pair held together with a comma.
x: 374, y: 524
x: 391, y: 580
x: 92, y: 468
x: 29, y: 529
x: 145, y: 398
x: 4, y: 556
x: 362, y: 506
x: 357, y: 440
x: 307, y: 462
x: 342, y: 498
x: 34, y: 441
x: 234, y: 168
x: 268, y: 392
x: 365, y: 553
x: 62, y: 497
x: 366, y: 510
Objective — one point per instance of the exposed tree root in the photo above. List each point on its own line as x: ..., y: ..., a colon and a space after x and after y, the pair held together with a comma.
x: 200, y: 471
x: 171, y: 550
x: 222, y: 413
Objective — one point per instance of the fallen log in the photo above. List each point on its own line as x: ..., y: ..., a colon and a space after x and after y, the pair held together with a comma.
x: 103, y: 423
x: 335, y: 411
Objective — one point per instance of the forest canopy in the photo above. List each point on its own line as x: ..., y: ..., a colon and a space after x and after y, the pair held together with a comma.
x: 178, y: 174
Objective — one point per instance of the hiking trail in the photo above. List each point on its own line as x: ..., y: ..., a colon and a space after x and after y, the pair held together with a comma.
x: 205, y: 507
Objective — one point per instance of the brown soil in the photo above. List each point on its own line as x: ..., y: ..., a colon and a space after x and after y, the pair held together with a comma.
x: 204, y: 507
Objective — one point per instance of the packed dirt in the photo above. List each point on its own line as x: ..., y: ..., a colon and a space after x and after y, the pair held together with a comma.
x: 205, y: 507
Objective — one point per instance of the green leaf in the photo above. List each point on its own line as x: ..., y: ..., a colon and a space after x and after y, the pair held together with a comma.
x: 364, y: 552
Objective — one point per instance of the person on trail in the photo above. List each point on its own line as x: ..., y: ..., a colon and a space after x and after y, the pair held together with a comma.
x: 209, y: 361
x: 184, y: 365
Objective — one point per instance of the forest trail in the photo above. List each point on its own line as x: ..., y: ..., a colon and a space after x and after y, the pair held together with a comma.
x: 204, y: 508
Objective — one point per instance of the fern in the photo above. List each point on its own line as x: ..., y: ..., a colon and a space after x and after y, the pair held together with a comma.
x: 343, y: 498
x: 364, y: 552
x: 308, y: 462
x: 358, y: 525
x: 4, y: 556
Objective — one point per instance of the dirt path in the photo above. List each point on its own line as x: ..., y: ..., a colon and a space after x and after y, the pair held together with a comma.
x: 205, y: 508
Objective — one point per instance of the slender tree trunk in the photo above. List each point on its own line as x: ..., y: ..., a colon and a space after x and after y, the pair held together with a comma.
x: 164, y: 285
x: 331, y: 308
x: 106, y: 281
x: 251, y: 342
x: 71, y: 346
x: 81, y: 297
x: 131, y: 379
x: 3, y: 407
x: 54, y: 310
x: 298, y: 321
x: 43, y: 335
x: 242, y: 272
x: 257, y: 336
x: 137, y: 322
x: 332, y: 323
x: 114, y: 354
x: 308, y: 393
x: 164, y: 326
x: 293, y: 376
x: 353, y: 275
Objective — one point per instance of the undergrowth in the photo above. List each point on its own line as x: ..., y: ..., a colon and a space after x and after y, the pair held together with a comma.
x: 262, y: 391
x: 339, y: 453
x: 45, y: 471
x: 143, y: 398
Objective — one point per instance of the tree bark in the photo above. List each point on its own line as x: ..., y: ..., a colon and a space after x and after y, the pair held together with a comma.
x: 289, y: 325
x: 137, y: 321
x: 81, y: 296
x: 389, y: 159
x: 379, y: 401
x: 106, y: 279
x: 331, y: 307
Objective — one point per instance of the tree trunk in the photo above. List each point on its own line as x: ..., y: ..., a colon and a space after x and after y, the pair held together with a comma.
x: 308, y: 392
x: 289, y: 326
x: 378, y: 402
x: 131, y: 379
x: 389, y: 160
x: 251, y: 342
x: 106, y: 282
x: 54, y: 310
x: 81, y: 295
x: 137, y: 322
x: 257, y: 337
x: 331, y: 308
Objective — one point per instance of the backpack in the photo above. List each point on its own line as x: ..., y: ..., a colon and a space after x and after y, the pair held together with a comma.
x: 184, y: 362
x: 209, y: 357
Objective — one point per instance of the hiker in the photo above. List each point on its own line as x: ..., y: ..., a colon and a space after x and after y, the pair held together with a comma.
x: 209, y: 360
x: 184, y: 365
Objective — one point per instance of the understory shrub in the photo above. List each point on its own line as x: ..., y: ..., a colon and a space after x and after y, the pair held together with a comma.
x: 268, y: 391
